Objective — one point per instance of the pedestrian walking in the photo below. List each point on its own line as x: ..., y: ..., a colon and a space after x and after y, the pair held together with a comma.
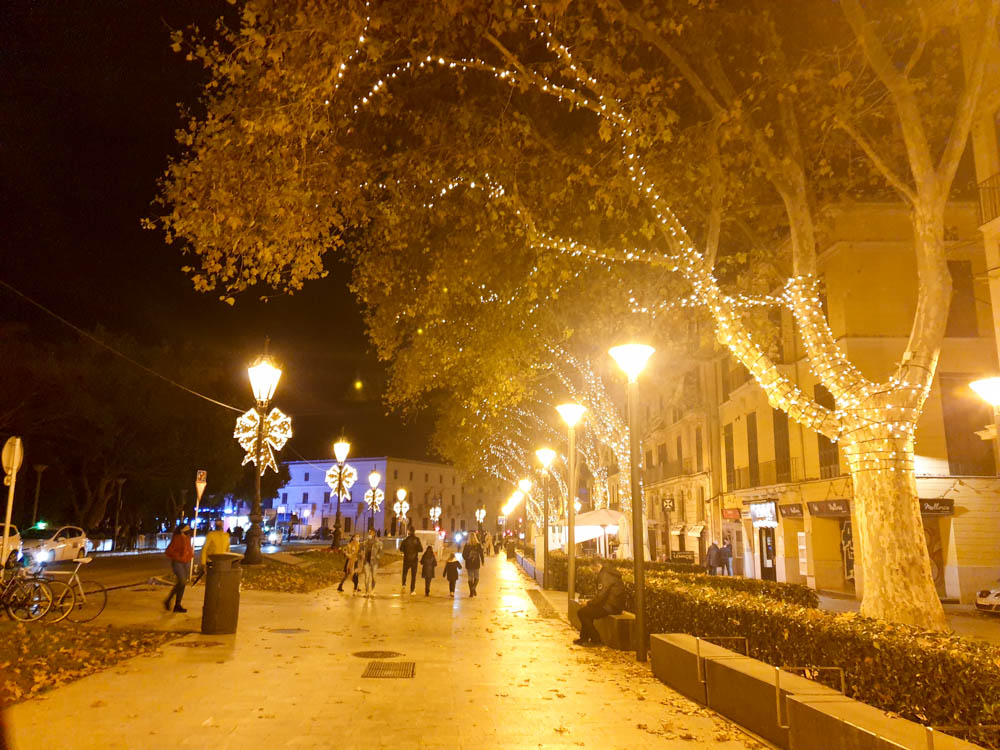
x: 610, y: 600
x: 411, y: 549
x: 428, y: 564
x: 181, y: 553
x: 713, y: 558
x: 371, y: 549
x: 727, y: 556
x: 472, y: 553
x: 451, y: 569
x: 351, y: 553
x: 488, y: 544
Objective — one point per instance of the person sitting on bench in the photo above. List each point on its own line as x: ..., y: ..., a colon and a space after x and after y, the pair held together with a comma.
x: 610, y: 600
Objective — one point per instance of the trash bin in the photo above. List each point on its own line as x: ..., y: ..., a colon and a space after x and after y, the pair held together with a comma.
x: 222, y: 594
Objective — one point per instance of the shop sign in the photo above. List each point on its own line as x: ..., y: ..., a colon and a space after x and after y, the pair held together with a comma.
x: 939, y: 506
x: 791, y: 511
x: 830, y: 508
x: 733, y: 514
x: 686, y: 556
x: 763, y: 515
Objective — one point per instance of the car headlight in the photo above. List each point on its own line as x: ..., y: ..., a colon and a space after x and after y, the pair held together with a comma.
x: 44, y: 555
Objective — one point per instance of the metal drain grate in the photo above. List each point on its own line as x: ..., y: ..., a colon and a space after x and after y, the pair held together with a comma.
x: 390, y: 669
x: 376, y: 654
x: 197, y: 644
x: 542, y: 604
x: 289, y: 631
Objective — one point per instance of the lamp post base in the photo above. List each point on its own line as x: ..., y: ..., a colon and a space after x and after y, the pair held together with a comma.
x: 253, y: 555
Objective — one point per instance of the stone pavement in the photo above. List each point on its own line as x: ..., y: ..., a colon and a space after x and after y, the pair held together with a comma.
x: 490, y: 672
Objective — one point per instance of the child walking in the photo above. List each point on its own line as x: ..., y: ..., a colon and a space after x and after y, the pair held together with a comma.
x: 451, y: 569
x: 428, y: 563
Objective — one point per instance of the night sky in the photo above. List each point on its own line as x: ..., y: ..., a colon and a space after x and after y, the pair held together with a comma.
x: 88, y: 109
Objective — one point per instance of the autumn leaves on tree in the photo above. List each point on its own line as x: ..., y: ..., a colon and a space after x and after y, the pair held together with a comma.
x: 518, y: 186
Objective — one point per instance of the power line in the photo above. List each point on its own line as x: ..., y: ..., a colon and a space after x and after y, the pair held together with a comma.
x: 117, y: 353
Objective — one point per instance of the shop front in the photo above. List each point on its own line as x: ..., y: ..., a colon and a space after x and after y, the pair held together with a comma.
x: 832, y: 545
x: 732, y: 530
x: 764, y: 521
x: 791, y: 543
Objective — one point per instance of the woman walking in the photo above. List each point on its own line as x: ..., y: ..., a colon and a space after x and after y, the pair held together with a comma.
x: 472, y: 554
x: 351, y: 563
x: 428, y: 563
x: 181, y: 553
x: 451, y: 569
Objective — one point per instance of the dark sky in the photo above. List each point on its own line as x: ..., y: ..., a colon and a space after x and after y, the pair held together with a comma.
x: 88, y: 107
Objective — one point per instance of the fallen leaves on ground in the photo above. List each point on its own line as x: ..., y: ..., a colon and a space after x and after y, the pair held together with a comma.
x: 35, y: 658
x: 319, y: 569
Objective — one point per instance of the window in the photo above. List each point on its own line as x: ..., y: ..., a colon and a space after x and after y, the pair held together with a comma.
x: 326, y: 497
x: 284, y: 497
x: 699, y: 449
x: 453, y: 481
x: 724, y: 377
x: 305, y: 497
x: 964, y: 413
x: 395, y: 473
x: 305, y: 477
x: 962, y: 311
x: 427, y: 477
x: 829, y: 451
x: 452, y: 499
x: 462, y: 524
x: 752, y: 458
x: 701, y: 505
x: 411, y: 476
x: 452, y: 524
x: 782, y: 450
x: 680, y: 450
x: 440, y: 478
x: 661, y: 454
x: 727, y: 440
x: 427, y: 522
x: 347, y: 525
x: 649, y: 459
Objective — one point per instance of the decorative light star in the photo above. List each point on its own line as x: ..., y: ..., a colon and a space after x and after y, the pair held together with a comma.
x: 345, y: 477
x: 276, y: 431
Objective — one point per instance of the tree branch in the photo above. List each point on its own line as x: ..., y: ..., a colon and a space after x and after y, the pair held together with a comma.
x: 888, y: 172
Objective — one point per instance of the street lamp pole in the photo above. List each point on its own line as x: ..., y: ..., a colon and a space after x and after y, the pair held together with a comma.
x: 340, y: 451
x: 545, y: 456
x: 632, y: 358
x: 264, y: 376
x: 39, y: 468
x: 118, y: 509
x: 571, y: 414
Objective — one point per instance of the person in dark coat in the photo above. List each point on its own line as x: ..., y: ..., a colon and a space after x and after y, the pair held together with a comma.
x: 472, y: 554
x: 610, y: 600
x: 727, y: 557
x: 428, y: 564
x: 451, y: 569
x: 713, y: 558
x: 411, y: 548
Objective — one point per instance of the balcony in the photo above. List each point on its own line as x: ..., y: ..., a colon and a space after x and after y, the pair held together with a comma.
x: 668, y: 470
x: 764, y: 474
x: 989, y: 199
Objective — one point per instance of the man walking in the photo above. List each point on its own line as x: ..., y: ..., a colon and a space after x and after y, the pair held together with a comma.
x: 713, y: 558
x: 370, y: 552
x: 472, y: 553
x: 411, y: 549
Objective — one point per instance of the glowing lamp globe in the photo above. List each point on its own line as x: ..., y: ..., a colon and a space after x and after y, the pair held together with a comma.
x: 401, y: 494
x: 516, y: 498
x: 340, y: 450
x: 571, y: 413
x: 988, y: 389
x: 524, y: 485
x: 631, y: 358
x: 546, y: 456
x: 264, y: 377
x: 374, y: 478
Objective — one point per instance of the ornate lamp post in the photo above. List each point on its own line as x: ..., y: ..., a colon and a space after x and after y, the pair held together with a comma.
x: 545, y: 456
x: 374, y: 497
x: 401, y: 508
x: 258, y: 432
x: 435, y: 513
x: 340, y: 479
x: 632, y: 358
x: 480, y: 517
x: 571, y: 414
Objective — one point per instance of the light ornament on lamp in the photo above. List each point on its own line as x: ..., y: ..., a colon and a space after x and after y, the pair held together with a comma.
x: 275, y: 432
x: 480, y: 514
x: 374, y: 499
x: 338, y: 476
x: 401, y: 508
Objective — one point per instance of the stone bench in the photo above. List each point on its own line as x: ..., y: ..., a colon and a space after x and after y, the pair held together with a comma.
x: 678, y: 660
x: 821, y: 722
x: 616, y: 631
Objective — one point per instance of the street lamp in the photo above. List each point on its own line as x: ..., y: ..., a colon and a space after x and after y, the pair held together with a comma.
x: 435, y: 514
x: 632, y: 358
x: 401, y: 507
x: 545, y: 456
x: 988, y: 389
x: 571, y: 414
x: 340, y: 482
x: 480, y: 517
x: 264, y: 377
x: 374, y: 496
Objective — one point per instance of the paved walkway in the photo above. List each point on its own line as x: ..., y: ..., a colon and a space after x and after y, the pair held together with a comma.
x: 491, y: 672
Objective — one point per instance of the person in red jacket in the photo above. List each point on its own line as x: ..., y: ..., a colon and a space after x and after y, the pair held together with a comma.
x: 180, y: 553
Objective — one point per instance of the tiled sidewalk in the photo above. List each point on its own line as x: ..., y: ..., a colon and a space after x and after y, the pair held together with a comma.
x: 490, y: 673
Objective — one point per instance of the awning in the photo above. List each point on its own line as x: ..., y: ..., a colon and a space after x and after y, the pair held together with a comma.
x: 695, y: 531
x: 677, y: 529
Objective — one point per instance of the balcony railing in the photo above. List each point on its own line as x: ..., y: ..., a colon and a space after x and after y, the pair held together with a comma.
x: 668, y: 470
x: 764, y: 474
x: 989, y: 199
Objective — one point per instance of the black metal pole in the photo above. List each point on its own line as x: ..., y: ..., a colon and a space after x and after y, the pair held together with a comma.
x: 545, y: 532
x: 340, y: 492
x: 571, y: 517
x: 253, y: 556
x: 638, y: 531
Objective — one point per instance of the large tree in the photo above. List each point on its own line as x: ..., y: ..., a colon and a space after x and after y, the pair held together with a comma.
x: 606, y: 132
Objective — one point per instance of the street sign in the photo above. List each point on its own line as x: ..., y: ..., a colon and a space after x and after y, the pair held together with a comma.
x: 13, y: 455
x: 200, y: 482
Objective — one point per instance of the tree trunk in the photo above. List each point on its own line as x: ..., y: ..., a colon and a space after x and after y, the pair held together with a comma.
x: 889, y: 532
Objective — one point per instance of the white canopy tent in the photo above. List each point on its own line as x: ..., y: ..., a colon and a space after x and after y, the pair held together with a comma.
x: 595, y: 524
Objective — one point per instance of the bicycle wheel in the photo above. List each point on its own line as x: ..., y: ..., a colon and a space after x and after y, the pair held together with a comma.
x: 63, y: 600
x: 91, y: 599
x: 28, y: 600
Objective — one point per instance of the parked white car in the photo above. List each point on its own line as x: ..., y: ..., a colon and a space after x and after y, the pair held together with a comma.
x: 13, y: 544
x: 54, y: 544
x: 988, y: 600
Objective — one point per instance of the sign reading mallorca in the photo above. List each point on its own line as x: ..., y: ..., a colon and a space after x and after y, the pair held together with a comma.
x: 793, y: 510
x: 830, y: 508
x: 939, y: 506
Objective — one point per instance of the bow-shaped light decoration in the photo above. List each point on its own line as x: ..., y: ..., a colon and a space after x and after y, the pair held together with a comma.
x: 276, y: 430
x: 374, y: 499
x: 337, y: 477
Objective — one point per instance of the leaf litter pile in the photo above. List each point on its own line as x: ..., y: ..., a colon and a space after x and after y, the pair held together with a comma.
x: 36, y: 658
x: 317, y: 569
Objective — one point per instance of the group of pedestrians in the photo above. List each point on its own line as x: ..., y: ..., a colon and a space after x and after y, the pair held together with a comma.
x: 362, y: 559
x: 719, y: 560
x: 180, y: 552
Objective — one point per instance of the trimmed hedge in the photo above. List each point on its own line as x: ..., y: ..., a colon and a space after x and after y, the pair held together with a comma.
x: 927, y: 677
x: 793, y: 593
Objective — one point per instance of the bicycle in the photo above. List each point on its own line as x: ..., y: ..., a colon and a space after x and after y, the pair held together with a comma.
x: 89, y: 597
x: 24, y: 597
